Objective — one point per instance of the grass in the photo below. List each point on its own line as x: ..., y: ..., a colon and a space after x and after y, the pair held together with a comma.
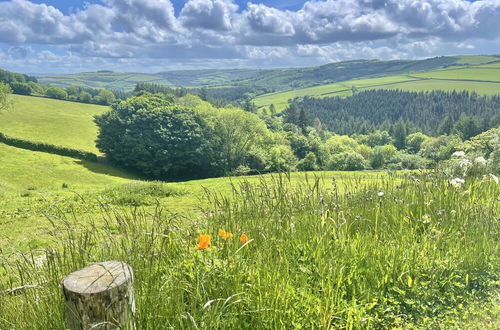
x: 61, y: 123
x: 322, y: 254
x: 482, y: 88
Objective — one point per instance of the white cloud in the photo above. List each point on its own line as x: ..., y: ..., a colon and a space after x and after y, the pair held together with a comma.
x: 218, y: 29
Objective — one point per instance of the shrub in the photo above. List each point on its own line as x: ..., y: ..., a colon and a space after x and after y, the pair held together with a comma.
x: 56, y: 93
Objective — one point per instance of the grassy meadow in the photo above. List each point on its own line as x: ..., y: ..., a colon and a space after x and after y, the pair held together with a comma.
x: 404, y: 251
x: 62, y: 123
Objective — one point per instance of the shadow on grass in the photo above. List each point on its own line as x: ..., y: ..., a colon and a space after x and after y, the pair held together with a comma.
x: 102, y: 167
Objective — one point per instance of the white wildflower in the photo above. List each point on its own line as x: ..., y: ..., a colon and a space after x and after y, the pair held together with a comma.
x: 457, y: 182
x: 494, y: 178
x: 464, y: 163
x: 380, y: 194
x: 458, y: 154
x: 480, y: 160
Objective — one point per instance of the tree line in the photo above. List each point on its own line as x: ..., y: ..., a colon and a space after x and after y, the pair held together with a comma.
x: 27, y: 85
x: 164, y: 136
x: 433, y: 113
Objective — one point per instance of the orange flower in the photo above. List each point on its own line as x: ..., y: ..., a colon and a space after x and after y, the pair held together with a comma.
x: 203, y: 242
x: 243, y: 238
x: 224, y: 234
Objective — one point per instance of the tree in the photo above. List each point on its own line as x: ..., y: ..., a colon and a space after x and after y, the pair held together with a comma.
x: 467, y: 127
x: 151, y: 135
x: 399, y: 134
x: 237, y: 135
x: 21, y: 88
x: 105, y: 97
x: 56, y: 93
x: 85, y: 97
x: 291, y: 114
x: 414, y: 142
x: 272, y: 109
x: 4, y: 96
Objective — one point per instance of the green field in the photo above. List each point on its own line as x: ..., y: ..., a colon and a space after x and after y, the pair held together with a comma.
x: 344, y: 88
x: 109, y: 80
x: 483, y: 79
x: 428, y: 85
x: 474, y: 74
x: 56, y: 122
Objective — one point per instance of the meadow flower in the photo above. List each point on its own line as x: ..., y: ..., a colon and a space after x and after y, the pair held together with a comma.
x: 494, y: 178
x: 203, y: 242
x: 224, y: 234
x: 458, y: 154
x: 243, y: 238
x: 464, y: 163
x: 457, y: 182
x: 380, y: 194
x: 480, y: 160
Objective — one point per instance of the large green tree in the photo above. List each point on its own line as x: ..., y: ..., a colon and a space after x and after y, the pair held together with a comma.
x: 154, y: 136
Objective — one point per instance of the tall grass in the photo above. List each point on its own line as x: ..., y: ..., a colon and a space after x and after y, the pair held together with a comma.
x: 405, y: 251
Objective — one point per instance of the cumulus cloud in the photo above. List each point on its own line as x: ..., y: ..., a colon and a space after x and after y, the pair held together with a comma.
x: 217, y: 15
x: 218, y: 29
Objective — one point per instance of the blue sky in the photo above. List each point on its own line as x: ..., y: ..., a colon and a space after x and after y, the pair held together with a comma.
x: 51, y: 36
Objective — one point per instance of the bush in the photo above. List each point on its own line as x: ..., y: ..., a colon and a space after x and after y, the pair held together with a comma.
x: 21, y: 88
x: 308, y: 163
x: 56, y: 93
x: 403, y: 160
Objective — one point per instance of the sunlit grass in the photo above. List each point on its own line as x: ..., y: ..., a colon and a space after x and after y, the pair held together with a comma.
x: 404, y: 251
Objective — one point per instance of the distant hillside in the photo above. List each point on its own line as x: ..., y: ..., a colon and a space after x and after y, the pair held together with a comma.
x: 257, y: 82
x: 483, y: 79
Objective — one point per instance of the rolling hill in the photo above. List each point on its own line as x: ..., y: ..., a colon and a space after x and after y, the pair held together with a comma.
x: 268, y: 80
x: 483, y: 79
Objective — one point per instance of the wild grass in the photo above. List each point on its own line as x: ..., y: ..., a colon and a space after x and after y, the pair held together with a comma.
x: 406, y: 251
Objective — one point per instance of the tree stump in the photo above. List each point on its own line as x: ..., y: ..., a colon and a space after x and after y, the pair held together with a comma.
x: 100, y: 296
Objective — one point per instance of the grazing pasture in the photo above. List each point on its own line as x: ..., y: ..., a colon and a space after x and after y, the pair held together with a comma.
x: 61, y: 123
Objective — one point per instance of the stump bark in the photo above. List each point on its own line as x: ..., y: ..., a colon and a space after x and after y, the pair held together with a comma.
x: 100, y: 296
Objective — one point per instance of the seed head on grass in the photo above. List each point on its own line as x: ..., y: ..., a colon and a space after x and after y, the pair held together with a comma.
x: 203, y: 242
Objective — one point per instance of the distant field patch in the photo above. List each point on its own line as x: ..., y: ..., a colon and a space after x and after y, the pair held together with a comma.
x: 482, y: 88
x: 476, y: 59
x: 61, y: 123
x: 109, y: 80
x: 344, y: 88
x: 477, y: 74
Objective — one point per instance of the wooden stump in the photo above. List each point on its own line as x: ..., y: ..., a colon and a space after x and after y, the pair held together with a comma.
x: 100, y: 296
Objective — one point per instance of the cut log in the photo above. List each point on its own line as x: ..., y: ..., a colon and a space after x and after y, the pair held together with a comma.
x: 100, y: 296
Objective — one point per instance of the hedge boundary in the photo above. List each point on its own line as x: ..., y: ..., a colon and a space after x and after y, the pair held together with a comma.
x: 49, y: 148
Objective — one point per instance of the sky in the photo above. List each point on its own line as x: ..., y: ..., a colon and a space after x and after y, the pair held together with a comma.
x: 66, y: 36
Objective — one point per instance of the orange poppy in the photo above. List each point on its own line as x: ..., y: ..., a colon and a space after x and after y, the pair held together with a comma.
x: 203, y: 242
x: 224, y: 234
x: 243, y: 238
